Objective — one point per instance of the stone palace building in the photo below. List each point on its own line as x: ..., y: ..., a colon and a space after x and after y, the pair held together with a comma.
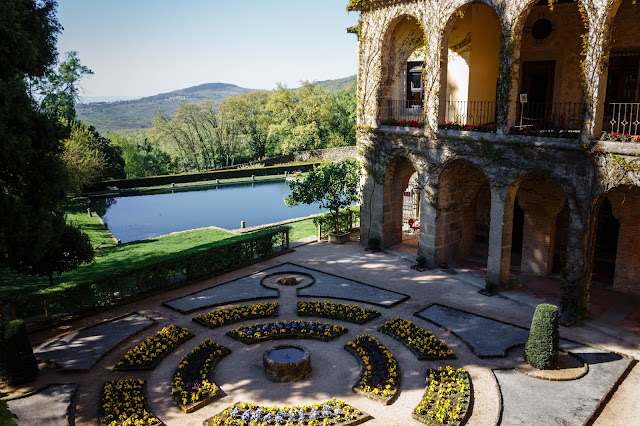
x: 505, y: 128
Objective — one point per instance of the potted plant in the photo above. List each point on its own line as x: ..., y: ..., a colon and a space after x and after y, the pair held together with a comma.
x: 333, y: 186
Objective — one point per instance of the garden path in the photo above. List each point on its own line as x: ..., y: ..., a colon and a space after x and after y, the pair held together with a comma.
x: 334, y: 370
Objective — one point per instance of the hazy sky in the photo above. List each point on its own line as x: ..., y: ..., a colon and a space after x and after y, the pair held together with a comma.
x: 145, y: 47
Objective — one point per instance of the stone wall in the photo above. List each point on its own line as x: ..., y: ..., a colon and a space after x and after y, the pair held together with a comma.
x: 329, y: 154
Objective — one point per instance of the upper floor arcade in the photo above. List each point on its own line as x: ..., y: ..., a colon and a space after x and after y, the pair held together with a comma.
x: 516, y: 67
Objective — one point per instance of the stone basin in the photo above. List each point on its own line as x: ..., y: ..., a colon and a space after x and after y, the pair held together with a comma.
x: 286, y: 363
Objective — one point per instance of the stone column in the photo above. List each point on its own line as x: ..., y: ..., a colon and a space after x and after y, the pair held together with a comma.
x: 538, y: 239
x: 371, y: 214
x: 500, y: 232
x: 428, y: 213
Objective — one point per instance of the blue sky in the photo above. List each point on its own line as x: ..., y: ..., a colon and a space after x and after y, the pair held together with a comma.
x: 145, y: 47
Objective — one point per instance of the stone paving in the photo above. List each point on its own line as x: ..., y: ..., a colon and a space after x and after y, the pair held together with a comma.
x: 82, y: 349
x: 486, y: 337
x: 49, y: 407
x: 344, y: 270
x: 529, y: 401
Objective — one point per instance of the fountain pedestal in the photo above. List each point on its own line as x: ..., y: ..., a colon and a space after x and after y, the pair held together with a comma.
x: 286, y: 363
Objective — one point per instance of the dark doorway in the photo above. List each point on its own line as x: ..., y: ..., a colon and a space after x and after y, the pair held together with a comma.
x: 604, y: 260
x: 622, y: 87
x: 537, y: 84
x: 517, y: 234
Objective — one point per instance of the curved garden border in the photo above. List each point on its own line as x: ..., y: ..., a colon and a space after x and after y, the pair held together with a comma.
x: 365, y: 366
x: 280, y: 331
x: 188, y: 404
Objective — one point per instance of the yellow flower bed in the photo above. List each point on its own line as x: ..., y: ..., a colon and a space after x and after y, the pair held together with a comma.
x: 447, y: 398
x: 222, y: 317
x: 192, y: 382
x: 149, y: 353
x: 380, y: 378
x: 332, y: 412
x: 423, y: 343
x: 338, y: 311
x: 286, y: 329
x: 123, y: 404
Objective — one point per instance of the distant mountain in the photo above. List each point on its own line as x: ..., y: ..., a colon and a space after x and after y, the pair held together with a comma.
x: 338, y: 84
x: 138, y: 113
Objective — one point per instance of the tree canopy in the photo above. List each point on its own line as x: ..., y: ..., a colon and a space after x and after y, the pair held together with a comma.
x: 33, y: 176
x: 333, y: 185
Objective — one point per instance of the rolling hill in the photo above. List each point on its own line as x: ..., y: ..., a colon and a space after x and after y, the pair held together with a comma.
x: 138, y: 113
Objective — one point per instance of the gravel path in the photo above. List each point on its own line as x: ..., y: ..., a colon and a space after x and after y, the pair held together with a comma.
x: 334, y: 370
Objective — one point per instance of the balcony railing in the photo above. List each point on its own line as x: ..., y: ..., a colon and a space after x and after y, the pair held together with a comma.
x: 565, y: 116
x: 622, y: 118
x: 470, y: 112
x: 399, y: 110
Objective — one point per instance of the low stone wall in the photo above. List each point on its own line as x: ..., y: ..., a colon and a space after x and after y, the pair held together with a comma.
x: 329, y: 154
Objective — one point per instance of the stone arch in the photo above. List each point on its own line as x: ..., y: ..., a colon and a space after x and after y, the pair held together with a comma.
x: 470, y: 62
x: 400, y: 92
x: 463, y: 212
x: 547, y: 56
x: 539, y: 200
x: 397, y: 175
x: 618, y: 207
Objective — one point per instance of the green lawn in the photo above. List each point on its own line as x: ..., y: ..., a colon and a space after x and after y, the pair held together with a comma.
x: 126, y: 256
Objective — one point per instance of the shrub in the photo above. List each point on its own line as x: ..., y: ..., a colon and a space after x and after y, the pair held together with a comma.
x: 542, y: 345
x: 18, y: 365
x: 421, y: 261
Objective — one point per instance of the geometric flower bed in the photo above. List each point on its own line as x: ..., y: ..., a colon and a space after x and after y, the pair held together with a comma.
x: 222, y: 317
x: 380, y: 378
x: 123, y: 404
x: 332, y: 412
x: 337, y: 311
x: 421, y: 342
x: 447, y: 400
x: 297, y: 329
x: 192, y: 386
x: 148, y: 354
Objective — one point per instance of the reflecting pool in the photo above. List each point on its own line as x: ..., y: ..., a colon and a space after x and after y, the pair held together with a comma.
x: 143, y: 216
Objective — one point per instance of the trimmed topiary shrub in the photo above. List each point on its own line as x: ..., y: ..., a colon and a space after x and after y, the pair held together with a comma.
x: 18, y: 365
x: 542, y: 345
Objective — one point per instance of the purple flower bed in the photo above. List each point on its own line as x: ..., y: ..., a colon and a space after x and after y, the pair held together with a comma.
x: 297, y: 329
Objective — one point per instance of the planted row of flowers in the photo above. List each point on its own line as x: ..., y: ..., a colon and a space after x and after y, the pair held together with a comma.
x: 447, y: 399
x: 486, y: 128
x: 401, y: 123
x: 380, y: 377
x: 222, y: 317
x: 337, y: 311
x: 619, y: 137
x: 297, y: 329
x: 192, y: 386
x: 421, y: 342
x: 148, y: 354
x: 331, y: 412
x: 123, y: 403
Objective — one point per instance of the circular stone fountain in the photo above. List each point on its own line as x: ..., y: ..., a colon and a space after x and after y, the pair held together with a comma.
x: 286, y: 363
x: 288, y: 279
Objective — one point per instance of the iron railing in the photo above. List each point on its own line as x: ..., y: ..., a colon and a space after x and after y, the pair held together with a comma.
x: 475, y: 113
x: 549, y: 116
x: 623, y: 118
x: 394, y: 109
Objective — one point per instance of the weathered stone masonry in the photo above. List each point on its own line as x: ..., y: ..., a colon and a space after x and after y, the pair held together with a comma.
x: 454, y: 168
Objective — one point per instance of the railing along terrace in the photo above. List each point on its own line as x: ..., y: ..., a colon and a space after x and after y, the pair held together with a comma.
x: 622, y: 118
x: 398, y: 110
x: 534, y: 116
x: 474, y: 113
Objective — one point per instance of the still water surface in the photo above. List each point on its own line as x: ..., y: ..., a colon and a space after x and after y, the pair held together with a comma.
x: 144, y: 216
